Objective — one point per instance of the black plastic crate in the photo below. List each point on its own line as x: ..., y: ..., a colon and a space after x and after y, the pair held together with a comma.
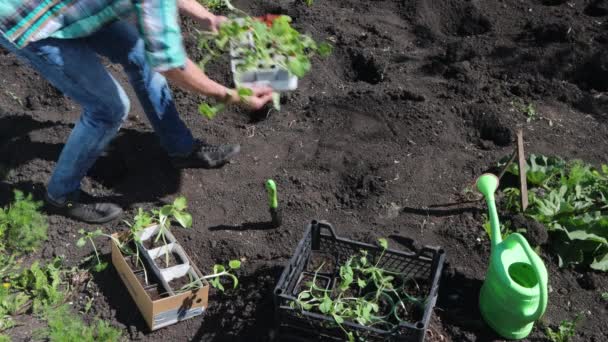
x: 297, y: 325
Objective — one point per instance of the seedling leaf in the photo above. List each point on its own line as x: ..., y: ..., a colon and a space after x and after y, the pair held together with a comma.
x: 234, y: 264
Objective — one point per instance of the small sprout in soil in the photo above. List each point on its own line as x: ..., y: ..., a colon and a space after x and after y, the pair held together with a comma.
x: 528, y: 110
x: 221, y: 271
x: 605, y: 296
x: 90, y: 236
x: 565, y: 330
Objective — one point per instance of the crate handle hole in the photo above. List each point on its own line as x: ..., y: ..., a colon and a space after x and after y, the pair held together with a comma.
x: 278, y: 291
x: 419, y: 325
x: 199, y: 300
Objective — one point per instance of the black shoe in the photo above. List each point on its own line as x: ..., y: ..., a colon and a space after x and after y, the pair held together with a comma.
x: 81, y: 207
x: 206, y: 156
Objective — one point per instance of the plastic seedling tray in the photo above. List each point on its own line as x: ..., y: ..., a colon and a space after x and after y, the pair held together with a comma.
x: 295, y: 324
x: 158, y: 303
x: 272, y: 75
x: 158, y: 255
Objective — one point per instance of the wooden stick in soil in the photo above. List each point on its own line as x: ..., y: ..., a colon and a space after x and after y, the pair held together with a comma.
x: 523, y: 182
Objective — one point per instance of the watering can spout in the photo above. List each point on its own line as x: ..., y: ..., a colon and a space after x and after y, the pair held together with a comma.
x: 487, y: 185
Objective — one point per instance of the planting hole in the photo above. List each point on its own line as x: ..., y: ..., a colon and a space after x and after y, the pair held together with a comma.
x: 366, y: 68
x: 523, y: 274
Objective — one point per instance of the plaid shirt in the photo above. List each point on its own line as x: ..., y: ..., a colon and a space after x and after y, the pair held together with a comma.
x: 25, y: 21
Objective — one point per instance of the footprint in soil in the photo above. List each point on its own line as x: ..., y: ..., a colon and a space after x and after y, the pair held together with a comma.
x: 473, y: 22
x: 488, y: 125
x: 593, y: 74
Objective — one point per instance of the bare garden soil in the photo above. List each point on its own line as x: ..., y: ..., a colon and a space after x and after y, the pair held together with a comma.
x: 413, y: 105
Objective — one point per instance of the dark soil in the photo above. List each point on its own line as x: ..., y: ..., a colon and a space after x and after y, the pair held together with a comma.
x: 413, y: 105
x: 156, y: 291
x: 321, y: 262
x: 165, y: 262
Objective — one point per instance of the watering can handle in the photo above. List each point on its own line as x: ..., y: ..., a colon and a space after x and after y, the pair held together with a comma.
x: 542, y: 282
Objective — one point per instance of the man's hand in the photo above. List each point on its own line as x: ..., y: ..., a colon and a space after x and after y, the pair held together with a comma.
x: 217, y: 21
x: 261, y: 96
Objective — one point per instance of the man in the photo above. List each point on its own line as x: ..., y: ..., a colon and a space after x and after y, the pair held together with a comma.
x: 62, y: 40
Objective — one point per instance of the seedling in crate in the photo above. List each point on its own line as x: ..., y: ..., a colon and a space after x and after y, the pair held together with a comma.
x: 221, y: 271
x: 373, y: 301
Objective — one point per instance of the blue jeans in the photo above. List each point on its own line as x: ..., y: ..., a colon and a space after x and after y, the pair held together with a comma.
x: 74, y: 67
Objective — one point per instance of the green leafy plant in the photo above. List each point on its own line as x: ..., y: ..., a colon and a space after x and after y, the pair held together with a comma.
x: 42, y: 284
x: 570, y: 200
x: 65, y: 326
x: 605, y: 296
x: 565, y: 331
x: 221, y: 271
x: 5, y: 338
x: 22, y: 226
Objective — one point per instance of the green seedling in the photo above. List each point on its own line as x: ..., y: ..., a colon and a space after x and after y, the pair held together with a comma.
x: 273, y: 203
x: 605, y: 296
x: 221, y: 271
x: 90, y: 236
x: 565, y: 331
x: 22, y: 226
x: 175, y: 212
x: 528, y: 110
x: 210, y: 111
x: 66, y: 326
x: 43, y: 285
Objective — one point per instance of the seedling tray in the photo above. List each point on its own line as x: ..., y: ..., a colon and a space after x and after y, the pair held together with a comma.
x: 274, y: 76
x: 172, y: 307
x: 295, y: 324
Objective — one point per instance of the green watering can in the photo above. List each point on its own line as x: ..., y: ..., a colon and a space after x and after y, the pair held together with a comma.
x: 514, y: 294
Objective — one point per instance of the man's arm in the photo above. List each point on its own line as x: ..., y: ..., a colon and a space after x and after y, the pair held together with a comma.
x: 194, y: 79
x: 158, y: 25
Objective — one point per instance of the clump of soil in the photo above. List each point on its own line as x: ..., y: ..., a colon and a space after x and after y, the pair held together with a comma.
x: 536, y: 233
